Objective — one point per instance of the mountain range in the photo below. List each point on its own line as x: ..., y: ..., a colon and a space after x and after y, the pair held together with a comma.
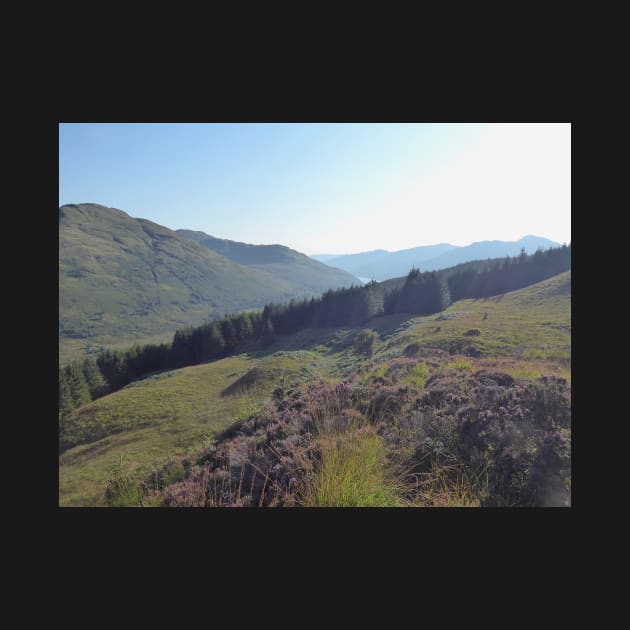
x: 304, y: 274
x: 124, y: 280
x: 380, y: 264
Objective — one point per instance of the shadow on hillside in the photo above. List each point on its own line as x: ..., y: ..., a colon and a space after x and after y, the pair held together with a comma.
x: 327, y: 341
x: 244, y: 383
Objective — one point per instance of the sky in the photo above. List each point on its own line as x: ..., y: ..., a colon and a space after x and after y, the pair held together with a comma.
x: 328, y: 188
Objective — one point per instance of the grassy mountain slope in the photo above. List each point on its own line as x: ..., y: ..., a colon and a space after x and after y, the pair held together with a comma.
x: 124, y: 280
x: 162, y: 416
x: 305, y: 275
x: 383, y: 265
x: 526, y: 333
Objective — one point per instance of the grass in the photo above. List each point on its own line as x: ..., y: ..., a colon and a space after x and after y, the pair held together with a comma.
x: 527, y: 369
x: 531, y: 322
x: 123, y: 486
x: 418, y: 375
x: 352, y: 472
x: 527, y: 333
x: 461, y: 364
x: 380, y: 370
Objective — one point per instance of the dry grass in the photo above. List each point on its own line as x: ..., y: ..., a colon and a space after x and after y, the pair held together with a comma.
x: 449, y: 486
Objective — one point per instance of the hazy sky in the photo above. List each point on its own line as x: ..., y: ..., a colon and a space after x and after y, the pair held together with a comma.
x: 328, y: 188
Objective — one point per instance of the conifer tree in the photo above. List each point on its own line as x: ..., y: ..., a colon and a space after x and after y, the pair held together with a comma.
x: 79, y: 391
x: 65, y: 395
x: 267, y: 335
x: 96, y: 383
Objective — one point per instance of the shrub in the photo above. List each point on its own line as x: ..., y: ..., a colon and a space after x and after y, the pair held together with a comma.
x: 464, y: 439
x: 472, y: 332
x: 186, y: 494
x: 364, y: 342
x: 412, y: 349
x: 513, y: 440
x: 173, y: 472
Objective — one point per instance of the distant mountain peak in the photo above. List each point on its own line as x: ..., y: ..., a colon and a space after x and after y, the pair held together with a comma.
x: 531, y: 237
x: 383, y: 265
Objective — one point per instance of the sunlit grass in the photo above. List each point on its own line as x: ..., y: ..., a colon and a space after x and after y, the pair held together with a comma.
x: 461, y: 364
x: 534, y: 322
x: 418, y: 375
x: 352, y: 472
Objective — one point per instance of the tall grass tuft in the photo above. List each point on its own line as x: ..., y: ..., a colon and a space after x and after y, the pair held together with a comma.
x: 461, y: 364
x: 418, y: 375
x: 123, y: 487
x: 352, y: 472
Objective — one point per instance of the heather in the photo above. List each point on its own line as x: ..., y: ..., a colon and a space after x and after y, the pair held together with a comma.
x: 482, y: 439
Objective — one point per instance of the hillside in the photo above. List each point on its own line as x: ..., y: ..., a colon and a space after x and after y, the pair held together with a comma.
x: 124, y: 280
x: 305, y: 275
x: 163, y: 426
x: 383, y: 265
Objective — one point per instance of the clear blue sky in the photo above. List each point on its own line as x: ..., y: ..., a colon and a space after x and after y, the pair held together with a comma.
x: 328, y: 188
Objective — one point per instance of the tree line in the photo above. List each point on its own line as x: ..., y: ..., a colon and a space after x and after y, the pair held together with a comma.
x: 495, y: 276
x: 421, y: 293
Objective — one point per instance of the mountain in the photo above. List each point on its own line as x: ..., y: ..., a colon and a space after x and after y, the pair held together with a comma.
x: 306, y: 275
x: 488, y: 249
x: 124, y: 280
x: 383, y: 265
x: 325, y: 257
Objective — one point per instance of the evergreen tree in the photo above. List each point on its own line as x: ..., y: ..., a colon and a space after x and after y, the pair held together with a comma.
x: 97, y: 385
x: 243, y: 326
x: 213, y: 344
x: 65, y: 395
x: 79, y: 391
x: 229, y: 332
x: 113, y: 366
x: 267, y: 336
